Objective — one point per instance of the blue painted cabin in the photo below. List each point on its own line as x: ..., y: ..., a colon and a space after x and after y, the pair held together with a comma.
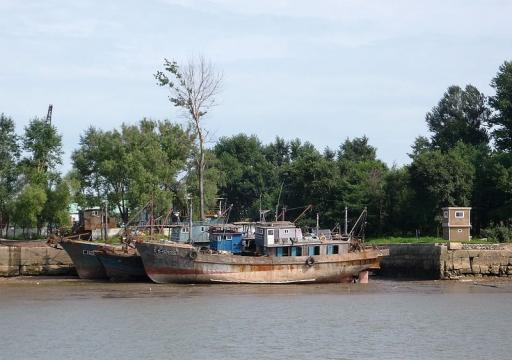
x: 226, y: 238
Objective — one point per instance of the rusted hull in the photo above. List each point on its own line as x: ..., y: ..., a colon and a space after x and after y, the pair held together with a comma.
x: 120, y: 267
x: 83, y: 255
x: 172, y: 263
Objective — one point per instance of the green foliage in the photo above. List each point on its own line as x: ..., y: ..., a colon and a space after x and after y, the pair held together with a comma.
x: 131, y: 166
x: 441, y: 179
x: 405, y: 240
x: 498, y: 232
x: 43, y: 145
x: 460, y: 116
x: 502, y: 104
x: 28, y: 206
x: 55, y: 212
x: 9, y: 157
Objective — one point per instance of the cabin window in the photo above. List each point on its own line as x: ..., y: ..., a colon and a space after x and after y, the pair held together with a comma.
x: 335, y: 249
x: 202, y: 228
x: 313, y: 250
x: 296, y: 251
x: 260, y: 231
x: 286, y: 231
x: 459, y: 230
x: 459, y: 214
x: 185, y: 230
x: 270, y: 232
x: 228, y: 237
x: 445, y: 214
x: 286, y: 251
x: 94, y: 213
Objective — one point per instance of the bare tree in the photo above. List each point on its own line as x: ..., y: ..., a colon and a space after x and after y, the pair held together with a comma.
x: 193, y: 88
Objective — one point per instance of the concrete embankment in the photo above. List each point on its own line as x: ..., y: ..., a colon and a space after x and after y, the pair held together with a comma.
x: 33, y: 258
x: 437, y: 261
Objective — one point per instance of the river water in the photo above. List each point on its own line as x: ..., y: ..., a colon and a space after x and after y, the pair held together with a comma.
x: 74, y: 319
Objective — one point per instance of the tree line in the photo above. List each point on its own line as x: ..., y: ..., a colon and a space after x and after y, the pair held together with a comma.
x: 465, y: 160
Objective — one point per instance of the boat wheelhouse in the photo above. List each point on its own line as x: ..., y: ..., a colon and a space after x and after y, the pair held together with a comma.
x: 226, y: 238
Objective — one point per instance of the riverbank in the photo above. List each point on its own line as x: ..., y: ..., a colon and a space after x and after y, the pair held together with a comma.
x: 407, y: 261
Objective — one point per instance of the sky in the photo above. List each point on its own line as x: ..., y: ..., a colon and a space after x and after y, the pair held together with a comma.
x: 320, y: 71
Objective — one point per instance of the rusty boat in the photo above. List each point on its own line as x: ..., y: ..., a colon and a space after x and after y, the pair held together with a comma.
x: 278, y: 254
x: 83, y: 254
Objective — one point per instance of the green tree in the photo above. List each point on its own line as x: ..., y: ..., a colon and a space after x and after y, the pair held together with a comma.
x: 43, y: 146
x: 193, y: 88
x: 28, y: 206
x: 245, y: 173
x: 502, y: 104
x: 461, y: 115
x: 9, y: 157
x: 132, y: 166
x: 441, y: 179
x: 361, y: 181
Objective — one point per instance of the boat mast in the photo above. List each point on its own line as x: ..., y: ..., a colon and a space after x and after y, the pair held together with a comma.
x: 190, y: 221
x: 346, y: 220
x: 317, y: 223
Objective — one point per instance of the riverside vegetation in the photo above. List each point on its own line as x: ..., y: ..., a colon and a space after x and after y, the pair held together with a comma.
x: 465, y: 160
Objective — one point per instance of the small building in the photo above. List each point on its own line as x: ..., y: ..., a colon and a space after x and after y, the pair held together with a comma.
x: 457, y: 223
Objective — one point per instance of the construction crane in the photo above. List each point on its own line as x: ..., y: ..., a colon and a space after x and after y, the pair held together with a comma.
x: 49, y: 115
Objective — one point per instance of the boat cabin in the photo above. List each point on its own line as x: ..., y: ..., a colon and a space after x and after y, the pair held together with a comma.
x: 226, y: 238
x: 283, y: 238
x: 180, y: 232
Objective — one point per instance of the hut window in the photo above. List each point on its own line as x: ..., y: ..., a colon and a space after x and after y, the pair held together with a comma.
x: 335, y: 249
x: 459, y: 214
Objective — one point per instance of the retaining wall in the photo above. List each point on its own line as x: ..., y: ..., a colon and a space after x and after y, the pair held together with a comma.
x: 478, y: 261
x: 18, y: 260
x: 436, y: 261
x: 412, y: 261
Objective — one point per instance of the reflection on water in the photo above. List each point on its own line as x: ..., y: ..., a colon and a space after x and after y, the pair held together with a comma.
x: 54, y: 319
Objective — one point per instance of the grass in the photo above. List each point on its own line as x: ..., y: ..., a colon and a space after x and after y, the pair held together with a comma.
x: 405, y: 240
